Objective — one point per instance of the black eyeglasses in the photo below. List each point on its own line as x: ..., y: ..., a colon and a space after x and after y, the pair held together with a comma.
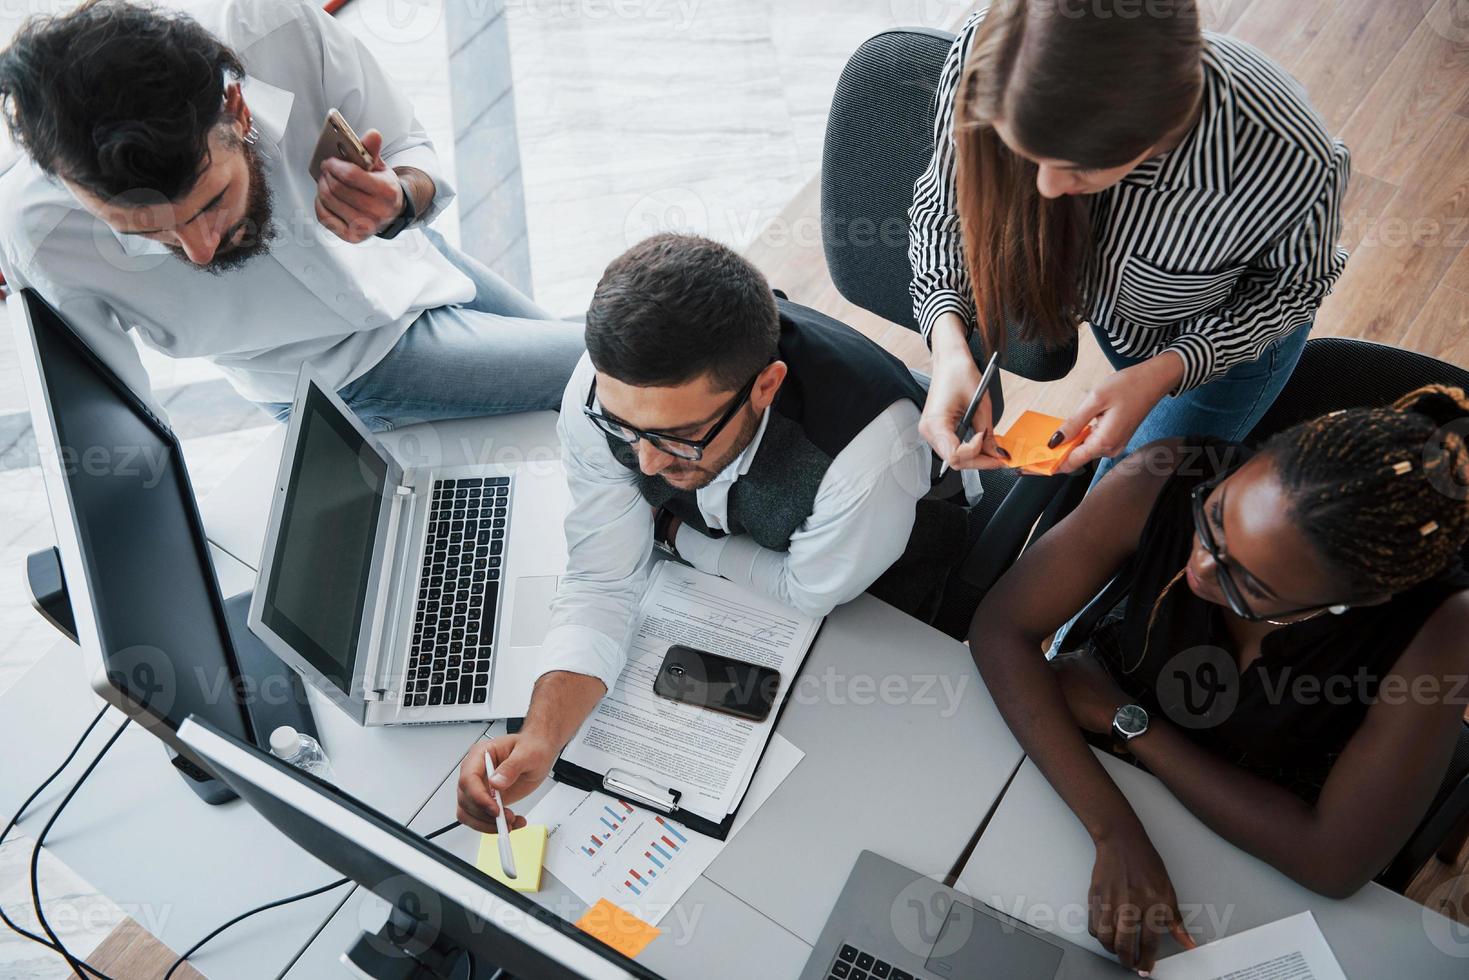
x: 1232, y: 593
x: 689, y: 449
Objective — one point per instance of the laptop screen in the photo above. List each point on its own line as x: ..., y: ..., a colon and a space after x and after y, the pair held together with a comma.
x: 323, y: 553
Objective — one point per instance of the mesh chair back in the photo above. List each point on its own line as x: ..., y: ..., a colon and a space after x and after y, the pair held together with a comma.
x: 1336, y: 373
x: 879, y: 139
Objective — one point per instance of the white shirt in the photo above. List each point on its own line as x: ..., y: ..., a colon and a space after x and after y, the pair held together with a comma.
x: 860, y: 524
x: 313, y: 297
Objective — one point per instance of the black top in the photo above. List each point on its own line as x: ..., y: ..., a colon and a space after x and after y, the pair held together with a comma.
x: 1290, y: 713
x: 838, y: 381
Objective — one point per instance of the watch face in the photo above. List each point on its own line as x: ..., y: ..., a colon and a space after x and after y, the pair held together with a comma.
x: 1131, y: 720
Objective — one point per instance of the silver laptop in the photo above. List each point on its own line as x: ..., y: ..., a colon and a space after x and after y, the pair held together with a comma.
x: 406, y: 595
x: 891, y: 923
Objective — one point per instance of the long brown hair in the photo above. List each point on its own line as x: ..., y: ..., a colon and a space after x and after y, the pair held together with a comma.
x: 1074, y: 80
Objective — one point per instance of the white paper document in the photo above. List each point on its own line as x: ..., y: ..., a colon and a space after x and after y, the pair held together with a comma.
x: 1290, y: 949
x: 707, y: 756
x: 600, y: 847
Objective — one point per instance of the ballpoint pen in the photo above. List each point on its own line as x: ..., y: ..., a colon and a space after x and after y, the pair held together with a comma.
x: 502, y: 829
x: 962, y: 432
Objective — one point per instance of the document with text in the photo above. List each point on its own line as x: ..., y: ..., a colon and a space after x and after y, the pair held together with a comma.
x: 1290, y: 949
x: 707, y: 756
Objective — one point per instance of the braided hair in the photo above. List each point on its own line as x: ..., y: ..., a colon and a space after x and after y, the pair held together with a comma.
x: 1383, y: 493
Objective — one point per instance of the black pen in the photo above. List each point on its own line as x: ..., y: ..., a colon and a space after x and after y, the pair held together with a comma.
x: 962, y: 432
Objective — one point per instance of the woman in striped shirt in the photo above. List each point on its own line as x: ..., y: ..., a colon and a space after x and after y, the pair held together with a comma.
x: 1105, y: 161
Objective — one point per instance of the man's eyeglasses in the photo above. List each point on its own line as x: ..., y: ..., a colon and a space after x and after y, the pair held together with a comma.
x: 689, y: 449
x: 1232, y: 593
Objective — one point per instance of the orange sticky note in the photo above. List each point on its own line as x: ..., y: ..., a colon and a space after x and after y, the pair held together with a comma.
x: 1026, y: 443
x: 621, y: 930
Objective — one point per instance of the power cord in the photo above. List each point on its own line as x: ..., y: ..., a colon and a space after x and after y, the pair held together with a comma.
x: 50, y: 940
x: 53, y: 942
x: 71, y: 960
x: 277, y: 904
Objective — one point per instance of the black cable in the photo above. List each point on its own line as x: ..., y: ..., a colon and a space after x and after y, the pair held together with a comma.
x: 71, y: 960
x: 16, y: 819
x: 275, y: 905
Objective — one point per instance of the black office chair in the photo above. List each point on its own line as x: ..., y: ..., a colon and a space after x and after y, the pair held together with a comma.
x: 879, y: 139
x: 1336, y: 373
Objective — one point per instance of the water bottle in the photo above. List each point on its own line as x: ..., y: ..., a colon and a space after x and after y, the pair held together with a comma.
x: 301, y: 751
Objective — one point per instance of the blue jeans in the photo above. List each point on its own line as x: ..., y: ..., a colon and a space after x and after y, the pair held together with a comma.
x: 1227, y: 407
x: 498, y: 354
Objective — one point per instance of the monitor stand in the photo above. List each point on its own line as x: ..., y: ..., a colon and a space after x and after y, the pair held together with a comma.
x: 398, y: 952
x: 273, y: 695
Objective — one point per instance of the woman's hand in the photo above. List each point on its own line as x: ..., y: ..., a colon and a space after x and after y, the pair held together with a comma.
x: 1091, y: 693
x: 955, y: 376
x: 1116, y: 407
x: 1131, y: 905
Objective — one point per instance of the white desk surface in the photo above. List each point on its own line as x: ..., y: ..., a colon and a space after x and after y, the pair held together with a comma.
x: 875, y: 777
x: 880, y: 697
x: 1034, y: 860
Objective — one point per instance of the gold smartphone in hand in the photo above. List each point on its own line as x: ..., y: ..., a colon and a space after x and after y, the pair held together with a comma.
x: 338, y: 139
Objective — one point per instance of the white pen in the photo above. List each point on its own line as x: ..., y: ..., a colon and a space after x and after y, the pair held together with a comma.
x: 502, y: 829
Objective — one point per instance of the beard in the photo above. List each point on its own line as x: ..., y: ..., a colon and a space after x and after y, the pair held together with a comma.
x: 255, y: 229
x: 696, y: 476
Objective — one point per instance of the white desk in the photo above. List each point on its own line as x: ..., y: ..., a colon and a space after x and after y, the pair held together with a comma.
x: 178, y: 866
x: 760, y: 906
x: 881, y: 698
x: 1035, y: 857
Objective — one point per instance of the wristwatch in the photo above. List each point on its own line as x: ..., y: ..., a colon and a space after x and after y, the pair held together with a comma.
x: 405, y: 217
x: 661, y: 524
x: 1130, y: 721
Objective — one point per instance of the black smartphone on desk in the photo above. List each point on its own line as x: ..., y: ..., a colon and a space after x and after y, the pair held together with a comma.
x: 718, y: 683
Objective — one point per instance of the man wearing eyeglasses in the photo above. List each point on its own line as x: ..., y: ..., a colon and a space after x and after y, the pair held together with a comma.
x: 749, y: 436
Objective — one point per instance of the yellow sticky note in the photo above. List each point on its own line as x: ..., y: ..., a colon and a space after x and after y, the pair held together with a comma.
x: 621, y: 930
x: 528, y: 844
x: 1026, y: 443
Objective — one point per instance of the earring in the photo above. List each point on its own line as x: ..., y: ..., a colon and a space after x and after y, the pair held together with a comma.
x: 252, y: 135
x: 1338, y: 610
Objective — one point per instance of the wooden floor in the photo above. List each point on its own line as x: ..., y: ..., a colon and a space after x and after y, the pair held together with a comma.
x: 1391, y: 77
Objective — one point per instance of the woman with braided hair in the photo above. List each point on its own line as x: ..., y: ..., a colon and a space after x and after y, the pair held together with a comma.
x: 1291, y: 660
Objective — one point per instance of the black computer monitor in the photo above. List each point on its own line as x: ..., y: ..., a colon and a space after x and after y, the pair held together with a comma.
x: 149, y: 615
x: 451, y: 911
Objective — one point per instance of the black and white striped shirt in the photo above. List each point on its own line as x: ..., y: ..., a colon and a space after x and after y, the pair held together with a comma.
x: 1214, y: 249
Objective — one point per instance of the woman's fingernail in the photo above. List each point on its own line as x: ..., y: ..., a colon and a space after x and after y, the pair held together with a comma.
x: 1056, y: 439
x: 1002, y: 452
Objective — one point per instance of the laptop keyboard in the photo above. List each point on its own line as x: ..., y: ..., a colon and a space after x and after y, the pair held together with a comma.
x: 853, y: 964
x: 458, y: 593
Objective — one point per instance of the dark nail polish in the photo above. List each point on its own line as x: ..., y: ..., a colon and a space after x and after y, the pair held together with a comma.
x: 1056, y: 439
x: 1002, y: 452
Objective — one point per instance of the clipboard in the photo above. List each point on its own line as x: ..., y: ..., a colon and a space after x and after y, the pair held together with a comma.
x: 639, y: 791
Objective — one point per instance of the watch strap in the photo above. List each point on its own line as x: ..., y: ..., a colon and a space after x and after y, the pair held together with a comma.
x: 406, y: 216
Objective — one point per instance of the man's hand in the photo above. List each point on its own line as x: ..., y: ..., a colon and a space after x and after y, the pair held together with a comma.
x: 520, y: 763
x: 1116, y: 407
x: 559, y: 704
x: 955, y: 376
x: 355, y: 204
